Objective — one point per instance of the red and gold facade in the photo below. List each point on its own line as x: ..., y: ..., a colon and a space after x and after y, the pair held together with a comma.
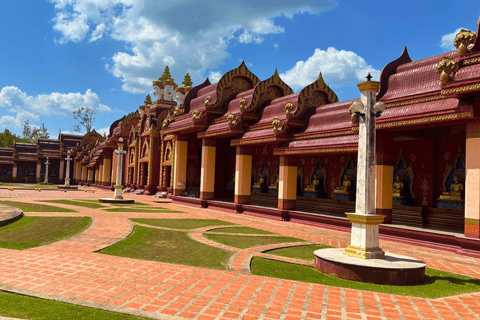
x: 255, y: 145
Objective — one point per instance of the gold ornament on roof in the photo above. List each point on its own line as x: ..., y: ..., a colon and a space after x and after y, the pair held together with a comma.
x: 276, y: 124
x: 289, y: 108
x: 230, y: 119
x: 445, y: 67
x: 195, y: 113
x: 243, y: 103
x: 207, y: 100
x: 353, y: 116
x: 176, y: 110
x: 463, y: 39
x: 165, y: 124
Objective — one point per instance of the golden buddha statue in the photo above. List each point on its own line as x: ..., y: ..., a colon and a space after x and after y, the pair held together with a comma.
x: 274, y: 185
x: 456, y: 191
x: 399, y: 187
x: 346, y: 187
x: 314, y: 186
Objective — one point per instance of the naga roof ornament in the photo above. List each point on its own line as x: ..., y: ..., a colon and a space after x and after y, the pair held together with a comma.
x: 464, y: 39
x: 445, y: 67
x: 233, y: 82
x: 312, y: 96
x: 266, y: 91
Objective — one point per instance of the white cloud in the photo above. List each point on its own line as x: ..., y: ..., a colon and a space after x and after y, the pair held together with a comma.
x: 196, y: 33
x: 447, y: 40
x: 214, y: 76
x: 275, y: 46
x: 17, y: 120
x: 25, y: 107
x: 105, y: 130
x: 338, y: 68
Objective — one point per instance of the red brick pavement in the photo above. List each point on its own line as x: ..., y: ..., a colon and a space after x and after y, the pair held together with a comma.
x: 71, y: 271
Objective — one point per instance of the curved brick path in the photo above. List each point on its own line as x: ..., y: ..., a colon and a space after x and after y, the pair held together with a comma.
x: 70, y: 271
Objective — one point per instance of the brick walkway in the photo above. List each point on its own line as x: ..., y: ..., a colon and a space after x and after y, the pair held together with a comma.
x: 71, y: 271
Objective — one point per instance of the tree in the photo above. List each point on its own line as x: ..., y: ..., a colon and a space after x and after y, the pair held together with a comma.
x: 85, y: 119
x: 148, y: 100
x: 31, y: 135
x: 7, y: 138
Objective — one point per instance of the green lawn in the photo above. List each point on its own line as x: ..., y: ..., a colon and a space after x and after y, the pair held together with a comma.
x: 438, y: 283
x: 29, y: 232
x: 182, y: 224
x: 24, y: 307
x: 140, y: 210
x: 299, y: 252
x: 244, y: 242
x: 169, y: 246
x: 33, y: 207
x: 244, y: 230
x: 28, y: 185
x: 90, y: 205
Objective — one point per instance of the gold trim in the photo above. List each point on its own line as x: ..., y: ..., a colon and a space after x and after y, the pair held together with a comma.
x: 462, y: 89
x: 471, y: 61
x: 258, y: 141
x: 324, y: 135
x: 412, y: 101
x: 424, y: 120
x: 368, y: 86
x: 330, y: 150
x: 268, y: 126
x: 364, y: 253
x: 445, y: 67
x: 369, y: 220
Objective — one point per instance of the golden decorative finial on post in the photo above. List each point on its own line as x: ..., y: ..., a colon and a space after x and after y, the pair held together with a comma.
x: 463, y: 39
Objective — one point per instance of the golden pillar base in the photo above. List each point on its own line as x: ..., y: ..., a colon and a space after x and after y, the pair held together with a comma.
x: 364, y: 242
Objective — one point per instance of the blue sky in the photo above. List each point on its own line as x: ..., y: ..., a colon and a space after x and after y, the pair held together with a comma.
x: 59, y: 55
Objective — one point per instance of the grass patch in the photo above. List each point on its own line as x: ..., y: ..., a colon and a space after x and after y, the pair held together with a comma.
x: 300, y: 252
x: 90, y: 205
x: 29, y: 232
x: 23, y: 307
x: 182, y: 224
x: 29, y: 185
x: 34, y: 207
x: 243, y: 242
x: 141, y: 210
x: 169, y: 246
x: 438, y: 283
x: 245, y: 230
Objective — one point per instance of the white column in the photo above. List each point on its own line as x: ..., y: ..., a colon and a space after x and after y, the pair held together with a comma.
x: 67, y: 174
x: 46, y: 171
x: 118, y: 183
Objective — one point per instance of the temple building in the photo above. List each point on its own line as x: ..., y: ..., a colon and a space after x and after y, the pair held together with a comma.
x: 250, y: 145
x: 27, y: 162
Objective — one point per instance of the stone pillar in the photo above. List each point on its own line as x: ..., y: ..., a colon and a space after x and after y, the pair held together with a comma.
x: 118, y: 181
x: 364, y: 241
x: 84, y: 173
x: 90, y: 175
x: 14, y: 171
x: 46, y: 171
x: 207, y: 174
x: 61, y: 171
x: 38, y: 171
x: 384, y: 177
x: 472, y: 181
x: 287, y: 183
x: 243, y: 175
x: 114, y: 168
x: 67, y: 176
x: 180, y: 165
x: 78, y: 172
x: 107, y: 169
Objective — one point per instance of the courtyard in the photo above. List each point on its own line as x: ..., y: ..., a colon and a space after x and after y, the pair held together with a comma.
x: 156, y: 259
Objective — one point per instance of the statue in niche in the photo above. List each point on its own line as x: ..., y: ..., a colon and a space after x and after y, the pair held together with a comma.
x: 231, y: 183
x: 453, y: 195
x: 274, y: 186
x: 261, y: 185
x: 399, y: 186
x: 403, y: 185
x: 316, y: 188
x: 346, y: 190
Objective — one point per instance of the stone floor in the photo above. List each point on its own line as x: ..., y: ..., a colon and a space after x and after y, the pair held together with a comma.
x: 72, y: 272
